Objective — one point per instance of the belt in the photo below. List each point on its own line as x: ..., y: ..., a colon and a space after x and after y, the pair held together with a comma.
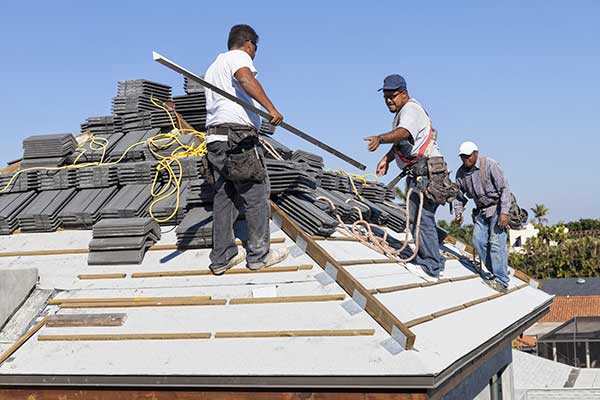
x: 225, y: 128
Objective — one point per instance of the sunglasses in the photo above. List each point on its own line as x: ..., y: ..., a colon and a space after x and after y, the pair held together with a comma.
x: 255, y: 45
x: 391, y: 96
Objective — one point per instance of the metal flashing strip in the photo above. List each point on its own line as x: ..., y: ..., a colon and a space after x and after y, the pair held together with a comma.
x: 356, y: 304
x: 377, y: 310
x: 328, y: 276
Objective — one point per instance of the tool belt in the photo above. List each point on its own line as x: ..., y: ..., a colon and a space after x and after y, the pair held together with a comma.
x: 244, y: 162
x: 432, y: 177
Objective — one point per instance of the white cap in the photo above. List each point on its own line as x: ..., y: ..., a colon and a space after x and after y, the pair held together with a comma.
x: 467, y: 148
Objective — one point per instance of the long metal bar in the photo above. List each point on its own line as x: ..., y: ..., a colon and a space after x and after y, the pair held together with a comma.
x: 190, y: 75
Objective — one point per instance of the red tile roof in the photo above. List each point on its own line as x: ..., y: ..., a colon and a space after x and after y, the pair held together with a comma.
x: 564, y: 308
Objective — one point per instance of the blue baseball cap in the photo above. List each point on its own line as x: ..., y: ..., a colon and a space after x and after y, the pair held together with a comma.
x: 393, y: 82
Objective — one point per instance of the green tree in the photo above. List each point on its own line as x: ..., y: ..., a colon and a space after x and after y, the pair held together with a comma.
x: 540, y: 212
x: 400, y: 194
x: 464, y: 233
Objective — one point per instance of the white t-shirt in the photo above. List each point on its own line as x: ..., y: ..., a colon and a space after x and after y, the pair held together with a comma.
x: 224, y: 111
x: 414, y: 119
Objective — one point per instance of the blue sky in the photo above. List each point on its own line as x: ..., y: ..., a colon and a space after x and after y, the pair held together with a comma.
x: 522, y: 81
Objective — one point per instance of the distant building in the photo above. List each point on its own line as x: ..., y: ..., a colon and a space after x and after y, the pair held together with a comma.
x: 518, y: 237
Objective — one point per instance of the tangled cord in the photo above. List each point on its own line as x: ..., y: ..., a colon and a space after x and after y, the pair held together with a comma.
x: 155, y: 144
x: 362, y: 230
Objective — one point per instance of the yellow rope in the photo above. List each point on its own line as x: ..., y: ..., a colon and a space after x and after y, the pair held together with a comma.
x: 154, y: 144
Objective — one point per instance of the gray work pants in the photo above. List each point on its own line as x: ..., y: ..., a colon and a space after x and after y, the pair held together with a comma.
x: 229, y: 197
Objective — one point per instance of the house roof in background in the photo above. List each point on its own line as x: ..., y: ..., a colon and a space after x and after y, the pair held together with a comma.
x: 565, y: 308
x: 570, y: 287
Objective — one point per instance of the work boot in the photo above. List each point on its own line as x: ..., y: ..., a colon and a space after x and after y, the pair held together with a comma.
x: 235, y: 260
x: 497, y: 286
x: 274, y: 257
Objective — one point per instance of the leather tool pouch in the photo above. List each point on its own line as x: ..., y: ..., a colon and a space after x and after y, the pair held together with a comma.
x: 244, y: 162
x: 440, y: 189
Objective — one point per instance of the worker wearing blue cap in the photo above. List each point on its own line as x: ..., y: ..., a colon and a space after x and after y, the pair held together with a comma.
x: 413, y: 139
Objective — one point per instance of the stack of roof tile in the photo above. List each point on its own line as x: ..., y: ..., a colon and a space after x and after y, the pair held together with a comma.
x: 192, y: 107
x: 144, y: 120
x: 47, y: 150
x: 355, y: 204
x: 135, y: 95
x: 164, y: 208
x: 397, y: 215
x: 314, y: 161
x: 23, y: 182
x: 11, y: 204
x: 83, y: 210
x: 266, y: 128
x: 103, y: 125
x: 283, y: 151
x: 311, y: 218
x: 200, y: 192
x: 289, y: 176
x: 61, y: 179
x: 165, y: 147
x: 126, y: 148
x: 343, y: 209
x: 374, y: 191
x: 98, y: 176
x: 122, y: 241
x: 195, y: 230
x: 131, y: 201
x: 101, y: 147
x: 136, y: 172
x: 390, y: 194
x: 190, y: 86
x: 41, y: 214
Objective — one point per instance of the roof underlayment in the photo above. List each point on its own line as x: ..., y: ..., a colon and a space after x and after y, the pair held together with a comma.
x: 439, y: 342
x: 373, y: 325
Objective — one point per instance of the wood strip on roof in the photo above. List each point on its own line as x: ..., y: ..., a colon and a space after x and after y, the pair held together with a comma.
x: 288, y: 299
x: 204, y: 272
x: 70, y: 320
x: 461, y: 307
x: 377, y: 310
x: 296, y: 333
x: 16, y: 345
x: 60, y: 252
x: 126, y: 336
x: 121, y: 299
x: 155, y: 303
x: 101, y: 276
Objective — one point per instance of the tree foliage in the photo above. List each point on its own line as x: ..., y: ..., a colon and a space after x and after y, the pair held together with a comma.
x: 555, y: 254
x: 540, y: 212
x: 584, y: 224
x: 463, y: 233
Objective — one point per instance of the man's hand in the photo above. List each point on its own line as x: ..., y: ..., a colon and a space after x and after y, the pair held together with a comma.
x: 382, y: 167
x: 373, y: 142
x: 459, y: 219
x: 503, y: 221
x: 276, y: 117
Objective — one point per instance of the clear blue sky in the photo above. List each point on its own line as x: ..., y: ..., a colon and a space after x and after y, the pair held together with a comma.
x: 522, y: 81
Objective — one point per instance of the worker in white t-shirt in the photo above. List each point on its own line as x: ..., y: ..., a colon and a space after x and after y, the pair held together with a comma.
x: 235, y: 157
x: 413, y: 140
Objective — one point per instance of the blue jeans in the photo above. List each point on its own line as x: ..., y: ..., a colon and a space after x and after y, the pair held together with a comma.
x: 489, y: 241
x: 428, y: 256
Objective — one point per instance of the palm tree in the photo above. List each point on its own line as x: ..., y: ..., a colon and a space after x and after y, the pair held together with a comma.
x: 400, y: 194
x: 540, y: 212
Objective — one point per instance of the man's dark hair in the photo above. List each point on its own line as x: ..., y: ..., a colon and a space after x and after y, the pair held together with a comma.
x: 239, y: 34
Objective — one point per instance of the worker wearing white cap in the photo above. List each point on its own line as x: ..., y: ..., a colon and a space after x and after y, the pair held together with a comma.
x: 481, y: 179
